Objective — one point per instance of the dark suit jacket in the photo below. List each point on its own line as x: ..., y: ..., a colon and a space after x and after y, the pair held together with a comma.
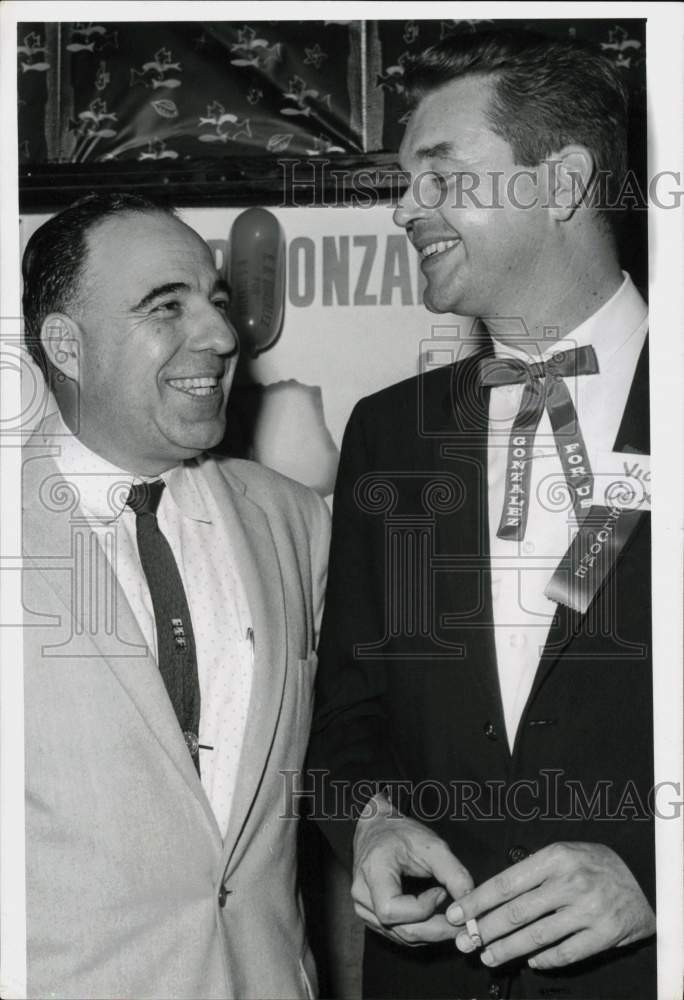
x: 408, y: 692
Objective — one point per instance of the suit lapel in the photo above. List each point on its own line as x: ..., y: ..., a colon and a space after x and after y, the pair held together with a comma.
x: 122, y: 649
x: 257, y: 558
x: 633, y: 435
x: 466, y: 535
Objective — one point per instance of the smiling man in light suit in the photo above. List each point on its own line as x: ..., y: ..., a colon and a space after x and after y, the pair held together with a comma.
x: 172, y: 606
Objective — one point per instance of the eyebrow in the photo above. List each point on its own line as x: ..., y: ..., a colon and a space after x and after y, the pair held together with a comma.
x: 441, y: 150
x: 172, y: 288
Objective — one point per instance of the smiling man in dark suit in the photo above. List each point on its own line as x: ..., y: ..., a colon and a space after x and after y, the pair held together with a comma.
x: 484, y: 695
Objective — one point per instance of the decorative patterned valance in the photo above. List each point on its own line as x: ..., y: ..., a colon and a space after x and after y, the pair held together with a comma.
x: 181, y: 91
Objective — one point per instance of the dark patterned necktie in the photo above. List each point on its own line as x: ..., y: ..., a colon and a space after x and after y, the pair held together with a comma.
x: 544, y: 388
x: 175, y: 637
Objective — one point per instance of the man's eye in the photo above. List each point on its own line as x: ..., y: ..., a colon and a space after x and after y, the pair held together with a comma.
x: 171, y: 306
x: 223, y: 305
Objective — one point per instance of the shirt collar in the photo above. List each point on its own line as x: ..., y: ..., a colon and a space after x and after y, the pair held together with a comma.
x: 103, y: 488
x: 607, y: 330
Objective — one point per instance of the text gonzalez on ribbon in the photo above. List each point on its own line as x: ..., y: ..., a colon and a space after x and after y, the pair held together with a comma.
x: 516, y: 497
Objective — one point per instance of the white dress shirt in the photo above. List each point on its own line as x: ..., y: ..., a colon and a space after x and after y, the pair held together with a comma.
x: 218, y: 604
x: 521, y: 570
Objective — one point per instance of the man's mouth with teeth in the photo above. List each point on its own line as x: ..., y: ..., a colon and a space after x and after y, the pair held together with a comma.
x: 204, y: 385
x: 434, y: 248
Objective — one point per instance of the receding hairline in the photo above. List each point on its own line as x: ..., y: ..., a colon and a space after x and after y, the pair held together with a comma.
x: 127, y: 214
x: 130, y: 212
x: 79, y: 288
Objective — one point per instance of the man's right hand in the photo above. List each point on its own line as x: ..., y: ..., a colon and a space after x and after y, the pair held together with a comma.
x: 388, y: 845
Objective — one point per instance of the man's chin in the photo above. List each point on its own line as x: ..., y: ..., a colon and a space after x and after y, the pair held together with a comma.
x: 435, y: 306
x: 209, y: 441
x: 193, y: 444
x: 435, y: 303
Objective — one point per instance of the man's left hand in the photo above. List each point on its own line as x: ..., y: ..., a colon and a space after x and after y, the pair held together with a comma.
x: 563, y: 904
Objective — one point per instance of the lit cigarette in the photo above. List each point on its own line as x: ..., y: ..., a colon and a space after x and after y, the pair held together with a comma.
x: 474, y: 932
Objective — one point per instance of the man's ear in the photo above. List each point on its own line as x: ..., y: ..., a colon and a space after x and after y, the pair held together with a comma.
x: 570, y: 178
x: 60, y: 336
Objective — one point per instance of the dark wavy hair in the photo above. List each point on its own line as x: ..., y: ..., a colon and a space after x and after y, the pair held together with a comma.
x: 55, y: 258
x: 546, y: 94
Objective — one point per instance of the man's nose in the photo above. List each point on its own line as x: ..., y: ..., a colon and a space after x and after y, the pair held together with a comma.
x: 411, y: 205
x: 214, y: 332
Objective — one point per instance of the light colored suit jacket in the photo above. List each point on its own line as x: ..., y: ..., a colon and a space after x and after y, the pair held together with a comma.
x: 126, y: 868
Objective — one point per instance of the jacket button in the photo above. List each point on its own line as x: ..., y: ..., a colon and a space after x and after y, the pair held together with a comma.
x: 223, y: 896
x: 490, y: 731
x: 518, y: 853
x: 494, y: 991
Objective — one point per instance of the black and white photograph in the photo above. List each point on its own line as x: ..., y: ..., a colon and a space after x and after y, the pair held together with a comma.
x: 341, y: 493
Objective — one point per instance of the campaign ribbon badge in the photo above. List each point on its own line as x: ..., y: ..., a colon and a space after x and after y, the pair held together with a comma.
x: 622, y: 495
